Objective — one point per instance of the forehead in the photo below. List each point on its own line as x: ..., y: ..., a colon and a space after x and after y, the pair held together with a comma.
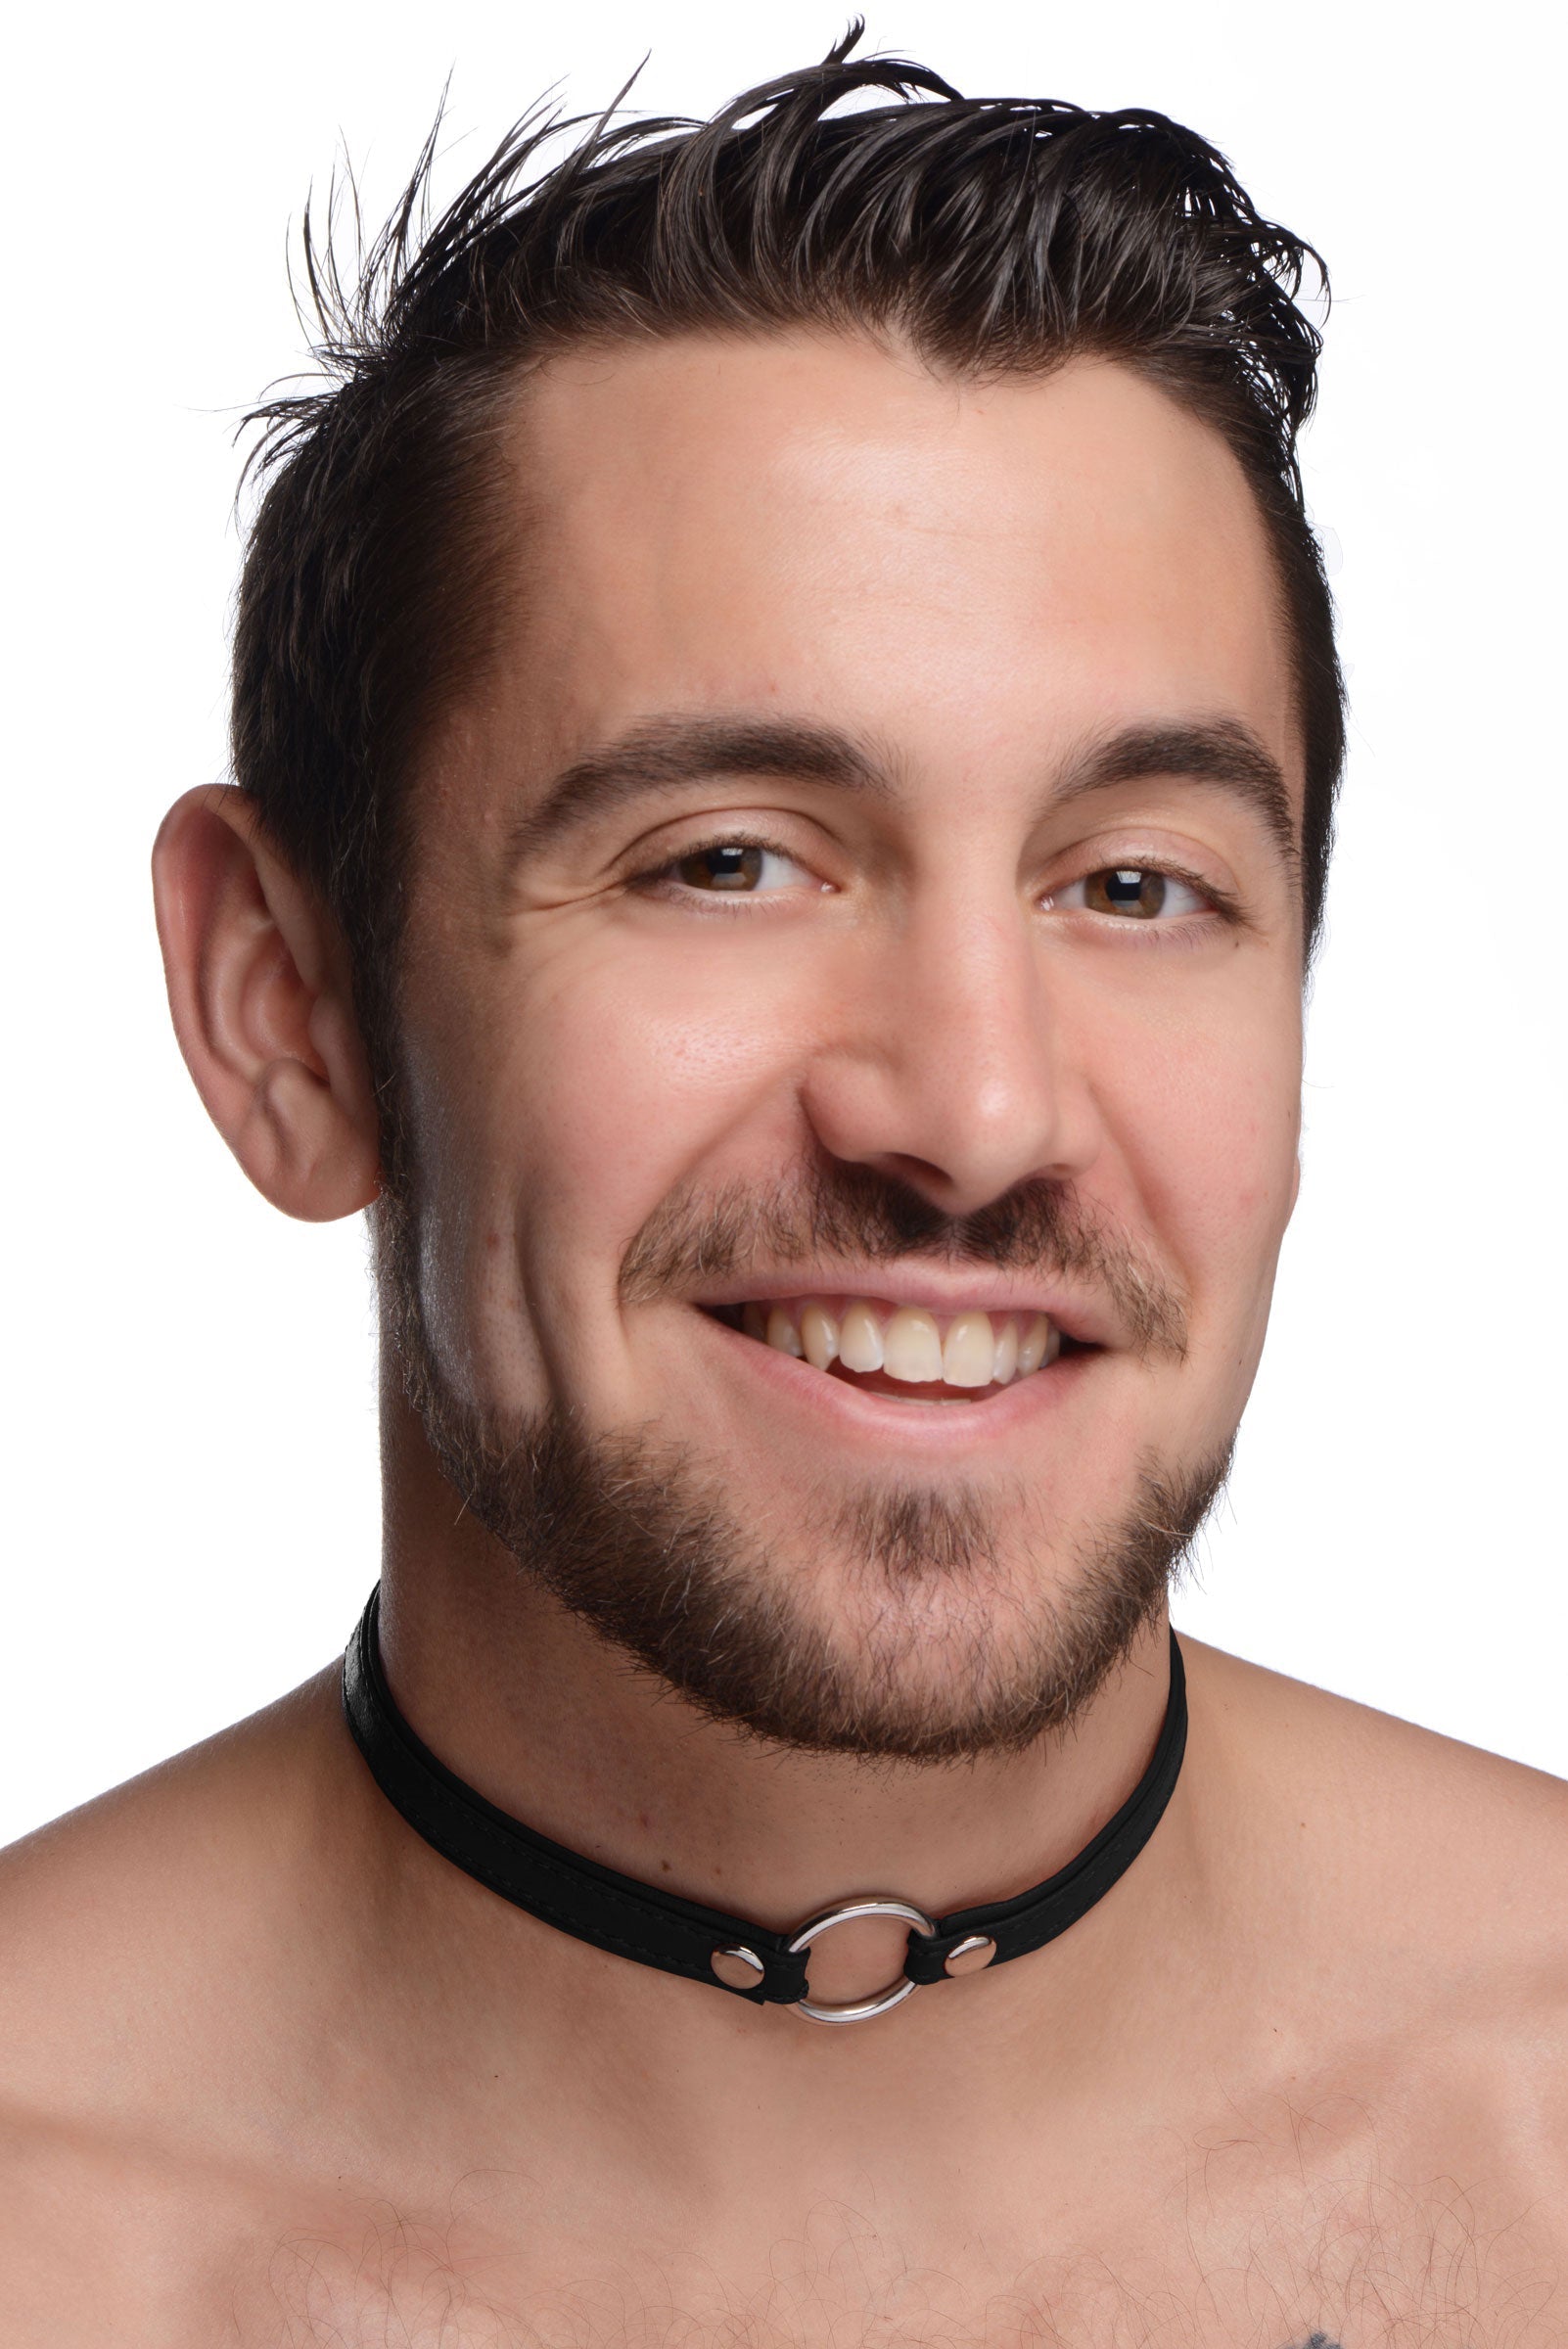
x: 969, y: 573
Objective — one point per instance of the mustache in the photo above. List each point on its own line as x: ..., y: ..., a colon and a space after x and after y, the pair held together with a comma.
x: 837, y: 1211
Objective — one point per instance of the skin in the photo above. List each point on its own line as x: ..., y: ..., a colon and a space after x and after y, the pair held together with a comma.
x: 281, y: 2074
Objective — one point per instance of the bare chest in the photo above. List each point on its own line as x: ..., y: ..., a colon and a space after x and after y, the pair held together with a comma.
x: 1342, y: 2262
x: 1277, y: 2224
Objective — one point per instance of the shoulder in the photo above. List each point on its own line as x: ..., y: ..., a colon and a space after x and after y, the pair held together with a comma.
x: 144, y: 1940
x: 1455, y: 1839
x: 1411, y: 1895
x: 139, y: 1905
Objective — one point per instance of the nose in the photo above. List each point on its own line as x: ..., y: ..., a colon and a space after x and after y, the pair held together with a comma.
x: 948, y: 1060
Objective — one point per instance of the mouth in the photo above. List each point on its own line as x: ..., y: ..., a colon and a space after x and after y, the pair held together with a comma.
x: 906, y: 1351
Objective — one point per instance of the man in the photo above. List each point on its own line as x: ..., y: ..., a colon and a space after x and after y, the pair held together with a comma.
x: 785, y: 731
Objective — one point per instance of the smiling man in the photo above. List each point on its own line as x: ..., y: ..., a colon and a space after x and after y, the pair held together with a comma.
x: 786, y: 723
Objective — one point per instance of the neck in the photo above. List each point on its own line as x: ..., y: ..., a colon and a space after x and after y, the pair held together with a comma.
x: 528, y: 1706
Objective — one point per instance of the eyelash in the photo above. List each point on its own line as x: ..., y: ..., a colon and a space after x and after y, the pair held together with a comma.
x: 1226, y: 908
x: 652, y: 874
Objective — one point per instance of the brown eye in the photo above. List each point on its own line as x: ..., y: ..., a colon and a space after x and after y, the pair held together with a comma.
x: 733, y: 865
x: 1132, y: 890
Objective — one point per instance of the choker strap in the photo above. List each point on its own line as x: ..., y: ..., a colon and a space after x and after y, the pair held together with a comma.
x: 659, y: 1928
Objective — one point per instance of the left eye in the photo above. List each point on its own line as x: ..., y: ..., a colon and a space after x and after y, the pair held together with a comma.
x: 1139, y: 893
x: 735, y: 868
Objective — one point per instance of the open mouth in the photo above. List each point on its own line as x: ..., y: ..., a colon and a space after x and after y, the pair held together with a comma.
x: 904, y: 1351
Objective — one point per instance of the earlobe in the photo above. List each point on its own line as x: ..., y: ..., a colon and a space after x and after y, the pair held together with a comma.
x: 258, y: 990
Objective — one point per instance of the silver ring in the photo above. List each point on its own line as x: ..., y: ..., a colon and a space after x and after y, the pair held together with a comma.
x: 860, y: 2010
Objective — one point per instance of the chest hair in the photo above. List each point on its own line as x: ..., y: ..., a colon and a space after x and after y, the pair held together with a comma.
x: 1349, y: 2264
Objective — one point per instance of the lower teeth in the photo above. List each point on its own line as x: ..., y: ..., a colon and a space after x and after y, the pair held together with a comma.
x: 877, y: 1382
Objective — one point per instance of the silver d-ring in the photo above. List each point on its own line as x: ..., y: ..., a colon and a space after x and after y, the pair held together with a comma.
x: 858, y: 2010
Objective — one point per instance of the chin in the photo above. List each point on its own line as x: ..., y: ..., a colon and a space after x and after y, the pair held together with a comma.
x: 930, y: 1628
x: 918, y: 1623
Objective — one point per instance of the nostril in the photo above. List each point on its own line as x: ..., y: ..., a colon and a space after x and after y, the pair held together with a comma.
x: 922, y: 1173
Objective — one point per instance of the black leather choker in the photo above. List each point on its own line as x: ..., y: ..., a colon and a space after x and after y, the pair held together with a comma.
x: 659, y: 1928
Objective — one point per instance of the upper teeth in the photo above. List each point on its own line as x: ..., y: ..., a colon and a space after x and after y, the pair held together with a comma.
x: 968, y: 1349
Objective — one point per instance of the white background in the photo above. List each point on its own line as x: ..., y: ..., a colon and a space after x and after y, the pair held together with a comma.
x: 191, y: 1488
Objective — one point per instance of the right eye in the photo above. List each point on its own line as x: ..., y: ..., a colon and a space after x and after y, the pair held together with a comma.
x: 733, y: 868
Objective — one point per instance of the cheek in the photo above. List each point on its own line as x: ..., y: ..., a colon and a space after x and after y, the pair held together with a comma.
x: 596, y: 1081
x: 636, y: 1072
x: 1206, y: 1114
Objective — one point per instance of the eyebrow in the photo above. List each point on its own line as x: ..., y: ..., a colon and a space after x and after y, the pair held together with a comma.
x: 1218, y: 752
x: 666, y: 753
x: 670, y: 753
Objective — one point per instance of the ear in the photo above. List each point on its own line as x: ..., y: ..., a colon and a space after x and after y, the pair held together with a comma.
x: 259, y: 987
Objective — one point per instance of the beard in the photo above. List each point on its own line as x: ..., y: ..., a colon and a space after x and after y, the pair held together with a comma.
x: 950, y: 1626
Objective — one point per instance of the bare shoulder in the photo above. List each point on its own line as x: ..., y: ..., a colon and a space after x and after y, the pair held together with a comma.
x: 142, y: 1941
x: 1411, y: 1895
x: 1391, y: 2073
x: 1466, y: 1844
x: 135, y: 1907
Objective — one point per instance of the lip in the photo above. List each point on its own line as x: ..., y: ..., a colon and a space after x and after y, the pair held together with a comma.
x: 1088, y: 1320
x: 845, y: 1412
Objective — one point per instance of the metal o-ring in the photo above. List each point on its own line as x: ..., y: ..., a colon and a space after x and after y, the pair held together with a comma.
x: 858, y: 2010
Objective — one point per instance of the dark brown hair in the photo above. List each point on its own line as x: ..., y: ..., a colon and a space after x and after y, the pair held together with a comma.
x: 990, y: 235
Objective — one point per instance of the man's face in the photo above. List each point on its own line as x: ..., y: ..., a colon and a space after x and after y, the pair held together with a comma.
x: 853, y: 914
